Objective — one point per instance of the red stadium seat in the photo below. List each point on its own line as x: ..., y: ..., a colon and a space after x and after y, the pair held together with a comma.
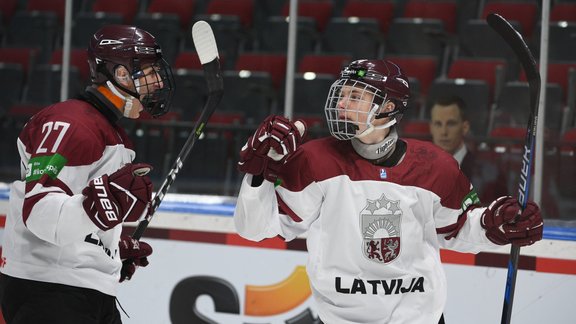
x: 323, y: 63
x: 13, y: 121
x: 8, y: 8
x: 507, y: 149
x: 244, y: 9
x: 359, y: 37
x: 311, y: 121
x: 184, y: 9
x: 310, y: 93
x: 570, y: 135
x: 478, y: 69
x: 314, y: 123
x: 126, y: 8
x: 189, y: 60
x: 561, y: 45
x: 509, y: 132
x: 563, y: 11
x: 422, y: 68
x: 557, y: 73
x: 250, y: 92
x: 272, y: 35
x: 224, y: 118
x: 416, y: 36
x: 24, y: 110
x: 12, y: 80
x: 38, y: 29
x: 78, y: 58
x: 512, y: 139
x: 566, y: 175
x: 525, y: 13
x: 382, y: 11
x: 274, y: 64
x: 442, y: 10
x: 513, y: 107
x: 55, y: 6
x: 87, y: 23
x: 43, y: 87
x: 416, y: 129
x: 321, y: 10
x: 23, y: 56
x: 568, y: 144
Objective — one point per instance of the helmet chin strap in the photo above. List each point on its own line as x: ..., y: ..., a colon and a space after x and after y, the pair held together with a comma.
x: 372, y: 128
x: 378, y: 151
x: 128, y: 100
x: 369, y: 124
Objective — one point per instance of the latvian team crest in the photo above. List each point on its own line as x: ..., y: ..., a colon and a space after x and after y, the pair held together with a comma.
x: 380, y: 221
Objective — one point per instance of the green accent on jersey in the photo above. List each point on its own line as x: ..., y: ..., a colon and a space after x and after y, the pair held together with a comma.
x: 277, y: 182
x: 50, y: 165
x: 470, y: 199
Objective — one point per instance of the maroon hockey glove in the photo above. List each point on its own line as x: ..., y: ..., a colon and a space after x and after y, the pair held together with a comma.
x: 504, y: 224
x: 133, y: 254
x: 271, y: 145
x: 120, y: 197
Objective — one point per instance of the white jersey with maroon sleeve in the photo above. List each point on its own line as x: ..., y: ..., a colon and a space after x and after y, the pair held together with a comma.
x: 373, y: 232
x: 48, y: 235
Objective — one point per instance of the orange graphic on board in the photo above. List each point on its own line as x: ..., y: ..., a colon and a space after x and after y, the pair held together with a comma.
x: 280, y: 297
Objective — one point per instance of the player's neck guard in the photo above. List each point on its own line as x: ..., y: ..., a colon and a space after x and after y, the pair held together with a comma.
x: 98, y: 99
x: 126, y: 100
x: 116, y: 101
x: 378, y: 151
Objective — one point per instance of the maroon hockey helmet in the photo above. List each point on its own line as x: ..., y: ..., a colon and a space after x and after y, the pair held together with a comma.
x: 135, y: 49
x: 384, y: 80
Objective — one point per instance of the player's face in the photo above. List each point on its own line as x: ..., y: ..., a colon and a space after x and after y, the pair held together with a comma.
x: 354, y: 105
x: 150, y: 81
x: 447, y: 127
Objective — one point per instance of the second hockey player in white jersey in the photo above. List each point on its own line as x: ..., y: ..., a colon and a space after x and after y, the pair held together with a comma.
x: 64, y: 252
x: 376, y: 209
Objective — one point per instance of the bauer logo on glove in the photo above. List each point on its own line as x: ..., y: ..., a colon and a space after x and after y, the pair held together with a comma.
x: 123, y: 196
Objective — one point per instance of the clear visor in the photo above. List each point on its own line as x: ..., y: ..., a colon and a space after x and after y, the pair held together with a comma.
x: 155, y: 84
x: 351, y: 108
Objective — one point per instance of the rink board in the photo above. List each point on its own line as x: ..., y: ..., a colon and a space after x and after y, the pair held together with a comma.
x: 202, y: 272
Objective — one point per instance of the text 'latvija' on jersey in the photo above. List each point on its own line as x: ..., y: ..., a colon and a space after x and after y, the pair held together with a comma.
x: 48, y: 235
x: 373, y: 233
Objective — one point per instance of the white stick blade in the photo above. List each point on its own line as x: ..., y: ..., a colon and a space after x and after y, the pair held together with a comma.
x: 204, y: 42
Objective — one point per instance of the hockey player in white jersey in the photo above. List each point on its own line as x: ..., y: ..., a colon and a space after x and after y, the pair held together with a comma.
x: 63, y: 248
x: 376, y: 208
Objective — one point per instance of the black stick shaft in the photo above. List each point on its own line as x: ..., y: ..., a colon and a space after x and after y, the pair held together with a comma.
x: 215, y: 90
x: 518, y: 45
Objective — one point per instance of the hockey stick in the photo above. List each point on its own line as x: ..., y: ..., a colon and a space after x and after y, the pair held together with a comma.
x: 208, y: 52
x: 516, y: 42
